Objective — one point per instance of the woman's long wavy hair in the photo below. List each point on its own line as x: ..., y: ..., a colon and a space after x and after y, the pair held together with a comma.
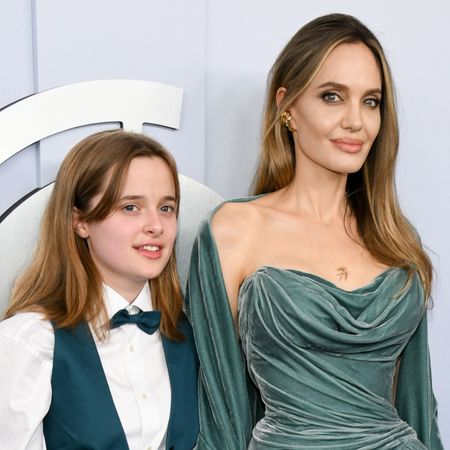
x: 371, y: 193
x: 62, y: 281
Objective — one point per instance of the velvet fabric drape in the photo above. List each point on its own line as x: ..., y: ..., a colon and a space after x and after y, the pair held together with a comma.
x: 323, y: 360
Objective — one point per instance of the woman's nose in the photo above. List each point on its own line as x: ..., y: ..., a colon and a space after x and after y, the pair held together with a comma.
x: 352, y: 119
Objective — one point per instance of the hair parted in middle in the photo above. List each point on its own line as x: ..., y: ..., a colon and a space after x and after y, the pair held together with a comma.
x: 371, y: 191
x: 62, y: 280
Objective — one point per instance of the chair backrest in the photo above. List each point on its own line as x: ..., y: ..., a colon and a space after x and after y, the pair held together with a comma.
x: 132, y: 103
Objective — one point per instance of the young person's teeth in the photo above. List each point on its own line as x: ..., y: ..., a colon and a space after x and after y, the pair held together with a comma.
x: 151, y: 248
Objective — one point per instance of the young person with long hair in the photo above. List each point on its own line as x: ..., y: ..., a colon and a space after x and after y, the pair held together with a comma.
x: 95, y: 351
x: 318, y: 274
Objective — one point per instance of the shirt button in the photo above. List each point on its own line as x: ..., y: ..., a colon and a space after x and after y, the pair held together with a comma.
x: 149, y: 447
x: 131, y: 348
x: 144, y: 396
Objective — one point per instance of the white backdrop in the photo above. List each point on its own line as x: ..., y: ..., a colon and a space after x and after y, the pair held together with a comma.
x: 219, y: 52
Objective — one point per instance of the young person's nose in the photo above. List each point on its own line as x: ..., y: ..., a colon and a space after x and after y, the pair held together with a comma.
x: 153, y: 223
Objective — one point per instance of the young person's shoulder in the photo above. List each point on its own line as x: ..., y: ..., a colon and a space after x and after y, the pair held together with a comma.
x: 29, y: 332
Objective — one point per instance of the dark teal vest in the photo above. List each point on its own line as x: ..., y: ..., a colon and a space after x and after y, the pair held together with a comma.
x: 82, y: 415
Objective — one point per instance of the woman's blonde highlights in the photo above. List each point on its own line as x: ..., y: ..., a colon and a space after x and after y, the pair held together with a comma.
x: 371, y: 193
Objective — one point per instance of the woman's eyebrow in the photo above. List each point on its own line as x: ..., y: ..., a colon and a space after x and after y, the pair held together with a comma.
x: 343, y: 87
x: 333, y: 84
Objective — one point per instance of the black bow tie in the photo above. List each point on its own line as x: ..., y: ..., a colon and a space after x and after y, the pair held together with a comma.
x: 147, y: 321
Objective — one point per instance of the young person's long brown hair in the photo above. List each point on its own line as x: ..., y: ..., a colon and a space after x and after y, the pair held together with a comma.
x: 371, y: 193
x: 62, y: 281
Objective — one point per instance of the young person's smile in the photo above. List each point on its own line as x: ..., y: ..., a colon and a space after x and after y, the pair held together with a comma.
x: 150, y: 250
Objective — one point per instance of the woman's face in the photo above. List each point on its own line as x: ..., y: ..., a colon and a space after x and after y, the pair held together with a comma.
x: 337, y: 118
x: 134, y: 243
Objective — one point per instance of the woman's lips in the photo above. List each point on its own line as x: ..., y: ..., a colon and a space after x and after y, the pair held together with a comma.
x: 348, y: 145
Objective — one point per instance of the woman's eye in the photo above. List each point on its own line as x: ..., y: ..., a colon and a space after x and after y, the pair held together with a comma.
x: 372, y: 102
x: 130, y: 208
x: 331, y: 97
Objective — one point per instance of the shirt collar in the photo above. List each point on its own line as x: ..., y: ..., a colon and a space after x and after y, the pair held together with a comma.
x: 115, y: 302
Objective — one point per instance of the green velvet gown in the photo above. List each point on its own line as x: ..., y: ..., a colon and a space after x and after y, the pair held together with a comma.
x: 321, y: 359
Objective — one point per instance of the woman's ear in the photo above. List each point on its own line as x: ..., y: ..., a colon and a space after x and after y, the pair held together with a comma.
x: 287, y: 119
x: 80, y: 227
x: 280, y: 95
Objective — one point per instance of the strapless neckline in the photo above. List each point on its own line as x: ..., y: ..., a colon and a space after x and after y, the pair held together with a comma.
x: 368, y: 287
x: 310, y: 275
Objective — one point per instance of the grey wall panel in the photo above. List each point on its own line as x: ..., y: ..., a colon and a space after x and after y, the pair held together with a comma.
x: 156, y: 41
x: 16, y: 50
x: 18, y: 175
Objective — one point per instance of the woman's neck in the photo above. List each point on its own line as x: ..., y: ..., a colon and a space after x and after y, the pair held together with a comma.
x: 317, y: 193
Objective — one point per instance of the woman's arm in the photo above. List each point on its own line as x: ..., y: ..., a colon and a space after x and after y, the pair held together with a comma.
x: 26, y: 347
x: 415, y: 400
x: 231, y: 227
x: 227, y: 399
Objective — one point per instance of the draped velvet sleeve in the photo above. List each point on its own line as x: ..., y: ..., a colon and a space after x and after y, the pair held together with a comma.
x: 415, y: 401
x: 228, y: 402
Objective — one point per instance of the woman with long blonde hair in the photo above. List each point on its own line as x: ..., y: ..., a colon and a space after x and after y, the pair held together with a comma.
x: 95, y: 351
x: 319, y: 275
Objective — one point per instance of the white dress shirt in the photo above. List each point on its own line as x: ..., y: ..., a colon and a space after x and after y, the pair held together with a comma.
x: 133, y: 362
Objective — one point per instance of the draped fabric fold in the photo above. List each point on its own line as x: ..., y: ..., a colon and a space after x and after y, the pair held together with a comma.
x: 323, y: 360
x: 415, y: 400
x: 226, y: 397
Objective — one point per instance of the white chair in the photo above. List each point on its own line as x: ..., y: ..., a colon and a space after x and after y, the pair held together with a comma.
x: 129, y: 102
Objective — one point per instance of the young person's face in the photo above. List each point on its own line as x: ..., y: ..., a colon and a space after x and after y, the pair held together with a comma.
x: 337, y: 118
x: 134, y: 243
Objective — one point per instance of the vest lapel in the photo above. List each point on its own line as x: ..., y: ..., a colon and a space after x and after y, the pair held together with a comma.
x: 182, y: 365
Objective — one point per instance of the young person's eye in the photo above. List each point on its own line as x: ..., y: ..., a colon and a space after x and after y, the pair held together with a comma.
x: 167, y: 208
x: 331, y: 97
x: 130, y: 208
x: 373, y: 102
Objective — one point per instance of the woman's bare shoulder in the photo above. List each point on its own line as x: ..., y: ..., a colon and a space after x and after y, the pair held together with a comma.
x: 234, y: 227
x: 234, y: 220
